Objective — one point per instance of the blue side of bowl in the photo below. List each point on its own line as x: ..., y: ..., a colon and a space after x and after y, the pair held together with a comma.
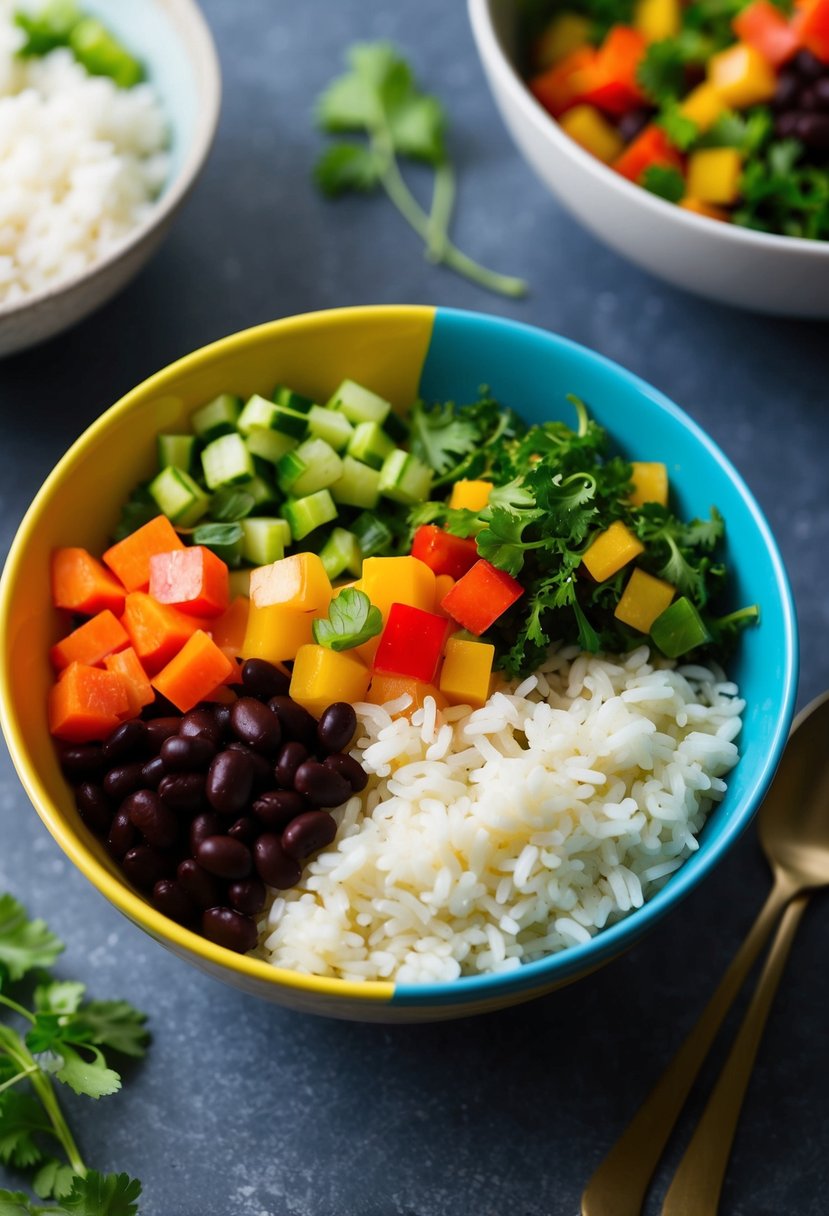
x: 148, y: 33
x: 533, y: 371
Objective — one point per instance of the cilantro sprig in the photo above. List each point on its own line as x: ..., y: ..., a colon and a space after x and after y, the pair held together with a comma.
x: 61, y: 1038
x: 352, y: 619
x: 379, y: 98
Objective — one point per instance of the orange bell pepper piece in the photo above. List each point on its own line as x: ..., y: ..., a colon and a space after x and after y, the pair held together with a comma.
x: 194, y: 673
x: 156, y: 631
x: 651, y: 147
x: 561, y: 86
x: 91, y: 642
x: 129, y: 559
x: 610, y: 82
x: 86, y: 703
x: 127, y: 665
x: 81, y: 584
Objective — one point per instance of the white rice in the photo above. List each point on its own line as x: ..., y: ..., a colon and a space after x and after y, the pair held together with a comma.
x: 81, y: 162
x: 491, y: 837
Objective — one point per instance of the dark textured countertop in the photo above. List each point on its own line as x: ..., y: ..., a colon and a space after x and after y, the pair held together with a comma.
x: 241, y: 1108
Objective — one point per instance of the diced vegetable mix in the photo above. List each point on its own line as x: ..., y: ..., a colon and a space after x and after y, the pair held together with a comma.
x: 720, y: 106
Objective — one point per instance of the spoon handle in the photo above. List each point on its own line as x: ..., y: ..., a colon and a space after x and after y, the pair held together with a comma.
x: 695, y: 1189
x: 619, y: 1185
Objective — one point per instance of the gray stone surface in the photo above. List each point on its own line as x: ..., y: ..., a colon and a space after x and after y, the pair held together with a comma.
x: 242, y: 1108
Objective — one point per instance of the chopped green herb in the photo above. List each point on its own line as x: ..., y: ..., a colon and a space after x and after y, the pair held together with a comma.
x: 352, y: 619
x: 664, y: 181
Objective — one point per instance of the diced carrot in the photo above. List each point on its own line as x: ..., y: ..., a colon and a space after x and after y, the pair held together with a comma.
x: 652, y: 147
x: 91, y: 642
x: 610, y: 83
x: 129, y: 559
x: 156, y: 631
x: 81, y: 584
x: 562, y: 86
x: 194, y: 672
x: 127, y: 665
x: 194, y: 580
x: 385, y: 688
x: 229, y: 629
x: 86, y: 703
x: 222, y: 694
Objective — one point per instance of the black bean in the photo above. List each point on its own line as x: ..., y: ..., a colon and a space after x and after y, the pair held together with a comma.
x: 245, y: 829
x: 308, y: 833
x: 155, y: 821
x: 94, y: 807
x: 349, y: 768
x: 786, y: 91
x: 230, y: 780
x: 808, y: 66
x: 169, y: 898
x: 247, y: 896
x: 320, y: 785
x: 187, y: 754
x: 123, y: 779
x: 159, y: 729
x: 336, y: 726
x: 80, y: 761
x: 821, y: 91
x: 230, y: 929
x: 276, y: 808
x: 224, y: 857
x: 786, y: 124
x: 144, y: 867
x: 295, y: 721
x: 201, y: 723
x: 129, y: 741
x: 254, y: 724
x: 122, y: 835
x: 152, y: 773
x: 633, y: 123
x: 290, y: 757
x: 273, y: 865
x: 261, y: 679
x: 204, y: 825
x: 808, y: 100
x: 262, y: 767
x: 222, y: 715
x: 813, y: 131
x: 183, y: 791
x: 159, y: 707
x: 202, y: 888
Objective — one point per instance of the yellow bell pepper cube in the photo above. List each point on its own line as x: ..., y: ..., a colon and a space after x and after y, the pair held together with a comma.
x: 322, y: 676
x: 385, y: 688
x: 443, y: 585
x: 466, y: 671
x: 394, y: 580
x: 276, y: 633
x: 643, y: 600
x: 565, y: 33
x: 698, y: 207
x: 650, y: 483
x: 703, y: 105
x: 611, y: 550
x: 470, y: 495
x: 741, y: 76
x: 591, y: 131
x: 714, y: 175
x: 657, y: 19
x: 297, y: 582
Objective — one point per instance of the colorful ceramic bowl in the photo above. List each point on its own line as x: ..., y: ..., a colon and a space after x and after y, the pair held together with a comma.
x: 401, y: 352
x: 172, y: 39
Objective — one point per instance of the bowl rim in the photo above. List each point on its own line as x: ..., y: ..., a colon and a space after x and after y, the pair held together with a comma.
x: 199, y: 41
x: 492, y: 52
x: 541, y: 974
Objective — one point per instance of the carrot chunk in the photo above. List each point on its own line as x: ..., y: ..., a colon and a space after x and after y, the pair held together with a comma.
x: 157, y: 631
x: 91, y: 642
x: 230, y: 628
x: 127, y: 665
x: 194, y: 580
x: 86, y: 703
x: 129, y: 559
x: 81, y: 584
x: 194, y: 673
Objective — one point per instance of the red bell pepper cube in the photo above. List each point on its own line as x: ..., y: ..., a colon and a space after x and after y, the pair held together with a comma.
x: 764, y: 27
x: 560, y: 88
x: 610, y: 83
x: 811, y: 25
x: 481, y: 596
x: 193, y: 580
x: 412, y: 643
x: 443, y: 552
x: 652, y: 147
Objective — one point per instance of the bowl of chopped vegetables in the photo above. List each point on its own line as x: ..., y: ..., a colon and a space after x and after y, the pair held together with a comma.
x: 108, y: 112
x: 691, y: 138
x: 384, y: 695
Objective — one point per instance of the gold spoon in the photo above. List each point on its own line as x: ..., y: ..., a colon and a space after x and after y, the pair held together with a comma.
x: 794, y: 833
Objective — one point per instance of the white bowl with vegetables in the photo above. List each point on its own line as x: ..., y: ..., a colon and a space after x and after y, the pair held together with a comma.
x: 109, y: 114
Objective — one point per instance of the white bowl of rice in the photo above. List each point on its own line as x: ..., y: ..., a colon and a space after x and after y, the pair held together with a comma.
x: 92, y: 174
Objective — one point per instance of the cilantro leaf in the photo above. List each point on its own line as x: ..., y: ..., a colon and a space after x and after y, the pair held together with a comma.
x: 439, y: 437
x: 53, y: 1180
x: 664, y: 181
x: 681, y: 130
x: 103, y: 1195
x: 15, y: 1203
x: 346, y: 166
x: 501, y: 541
x: 352, y: 620
x: 230, y: 505
x: 59, y: 997
x: 117, y: 1025
x: 22, y: 1118
x: 661, y: 71
x: 24, y: 944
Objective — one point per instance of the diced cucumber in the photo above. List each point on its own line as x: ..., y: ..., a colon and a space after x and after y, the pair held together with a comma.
x: 359, y: 486
x: 291, y: 400
x: 217, y: 418
x: 176, y: 450
x: 404, y: 478
x: 227, y: 462
x: 396, y: 428
x: 358, y: 404
x: 263, y: 491
x: 306, y: 514
x: 341, y: 552
x: 269, y: 445
x: 258, y: 412
x: 313, y: 466
x: 264, y: 539
x: 372, y: 534
x: 178, y: 496
x: 370, y: 444
x: 290, y: 422
x: 331, y: 426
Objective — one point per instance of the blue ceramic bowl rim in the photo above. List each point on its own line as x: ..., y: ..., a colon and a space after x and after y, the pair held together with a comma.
x: 579, y: 959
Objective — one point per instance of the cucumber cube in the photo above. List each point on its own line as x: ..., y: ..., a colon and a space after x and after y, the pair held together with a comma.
x: 177, y: 450
x: 396, y: 428
x: 217, y: 418
x: 404, y: 478
x: 341, y: 552
x: 313, y: 466
x: 258, y: 412
x: 331, y: 426
x: 264, y: 540
x: 291, y: 400
x: 306, y: 514
x: 358, y: 404
x: 263, y: 491
x: 372, y: 534
x: 290, y: 422
x: 227, y: 462
x: 370, y: 444
x: 268, y: 445
x: 358, y: 485
x: 179, y: 497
